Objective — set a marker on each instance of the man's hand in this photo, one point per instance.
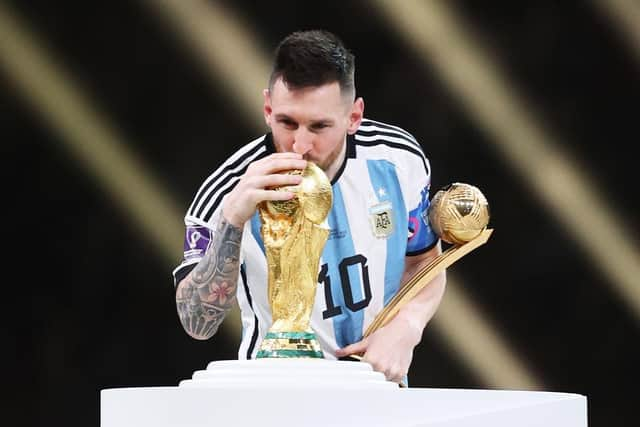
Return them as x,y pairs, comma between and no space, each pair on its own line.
256,185
389,350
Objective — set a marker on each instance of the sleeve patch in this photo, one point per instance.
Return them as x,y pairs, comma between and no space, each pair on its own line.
196,242
420,233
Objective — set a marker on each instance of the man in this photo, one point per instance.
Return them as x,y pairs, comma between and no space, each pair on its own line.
379,235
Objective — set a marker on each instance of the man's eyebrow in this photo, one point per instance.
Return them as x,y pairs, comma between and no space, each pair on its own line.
322,122
281,116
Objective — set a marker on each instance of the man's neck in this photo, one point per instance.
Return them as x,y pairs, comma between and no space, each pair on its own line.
332,170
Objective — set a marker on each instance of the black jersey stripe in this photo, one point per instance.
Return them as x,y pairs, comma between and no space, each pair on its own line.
254,335
215,185
371,136
382,140
220,174
232,181
380,125
396,139
181,272
366,136
369,122
387,132
206,216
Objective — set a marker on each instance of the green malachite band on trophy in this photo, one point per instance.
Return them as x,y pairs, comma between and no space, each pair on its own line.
290,335
290,344
289,353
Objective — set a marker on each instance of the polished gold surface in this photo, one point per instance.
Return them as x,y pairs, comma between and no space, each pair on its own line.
294,236
458,213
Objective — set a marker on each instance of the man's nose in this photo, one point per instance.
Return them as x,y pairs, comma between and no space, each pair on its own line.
302,142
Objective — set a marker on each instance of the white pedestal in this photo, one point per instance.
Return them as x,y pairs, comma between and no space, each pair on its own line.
301,404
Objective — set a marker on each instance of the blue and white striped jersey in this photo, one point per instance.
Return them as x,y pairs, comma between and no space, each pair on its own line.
379,216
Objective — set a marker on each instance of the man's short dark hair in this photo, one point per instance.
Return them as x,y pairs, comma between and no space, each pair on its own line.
313,58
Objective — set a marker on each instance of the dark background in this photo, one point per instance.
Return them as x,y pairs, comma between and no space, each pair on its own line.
90,299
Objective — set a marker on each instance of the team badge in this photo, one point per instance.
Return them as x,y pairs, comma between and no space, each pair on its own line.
381,218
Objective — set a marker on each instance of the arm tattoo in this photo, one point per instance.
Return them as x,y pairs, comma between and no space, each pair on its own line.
205,296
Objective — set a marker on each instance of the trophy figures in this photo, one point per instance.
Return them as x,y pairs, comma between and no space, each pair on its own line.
294,237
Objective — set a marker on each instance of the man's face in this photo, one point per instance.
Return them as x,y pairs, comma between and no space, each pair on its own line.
312,121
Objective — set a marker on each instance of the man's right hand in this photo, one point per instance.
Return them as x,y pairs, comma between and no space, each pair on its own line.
256,186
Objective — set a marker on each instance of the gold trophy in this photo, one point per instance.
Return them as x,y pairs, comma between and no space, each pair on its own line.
294,236
458,214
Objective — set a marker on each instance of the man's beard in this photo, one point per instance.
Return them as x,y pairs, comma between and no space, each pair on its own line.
326,163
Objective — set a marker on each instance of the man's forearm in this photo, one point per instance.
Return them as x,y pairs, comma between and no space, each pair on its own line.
207,293
419,311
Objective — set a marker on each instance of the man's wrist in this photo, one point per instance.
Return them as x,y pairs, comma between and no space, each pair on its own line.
411,322
231,219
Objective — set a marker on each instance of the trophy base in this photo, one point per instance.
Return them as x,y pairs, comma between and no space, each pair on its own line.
290,345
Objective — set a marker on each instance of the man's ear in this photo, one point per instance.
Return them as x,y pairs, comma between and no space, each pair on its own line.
355,116
267,107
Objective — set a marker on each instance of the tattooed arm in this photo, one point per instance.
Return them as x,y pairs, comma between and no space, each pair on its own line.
205,296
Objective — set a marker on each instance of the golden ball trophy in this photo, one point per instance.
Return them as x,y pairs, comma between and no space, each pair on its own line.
294,237
458,214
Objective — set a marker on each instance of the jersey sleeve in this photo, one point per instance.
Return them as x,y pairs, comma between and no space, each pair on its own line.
205,210
421,236
197,240
201,218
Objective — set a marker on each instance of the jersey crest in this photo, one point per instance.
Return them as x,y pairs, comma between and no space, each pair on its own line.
381,219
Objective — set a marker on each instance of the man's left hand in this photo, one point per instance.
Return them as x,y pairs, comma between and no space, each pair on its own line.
389,350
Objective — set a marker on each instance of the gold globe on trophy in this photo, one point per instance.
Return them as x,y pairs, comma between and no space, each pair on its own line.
459,215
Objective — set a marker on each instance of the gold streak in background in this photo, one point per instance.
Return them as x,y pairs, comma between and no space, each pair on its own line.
479,344
442,41
89,137
225,49
626,17
203,26
92,140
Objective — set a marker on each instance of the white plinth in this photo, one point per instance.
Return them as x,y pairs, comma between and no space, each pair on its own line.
238,393
288,373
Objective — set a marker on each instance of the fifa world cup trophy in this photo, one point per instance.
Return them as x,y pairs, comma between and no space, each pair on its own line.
294,237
